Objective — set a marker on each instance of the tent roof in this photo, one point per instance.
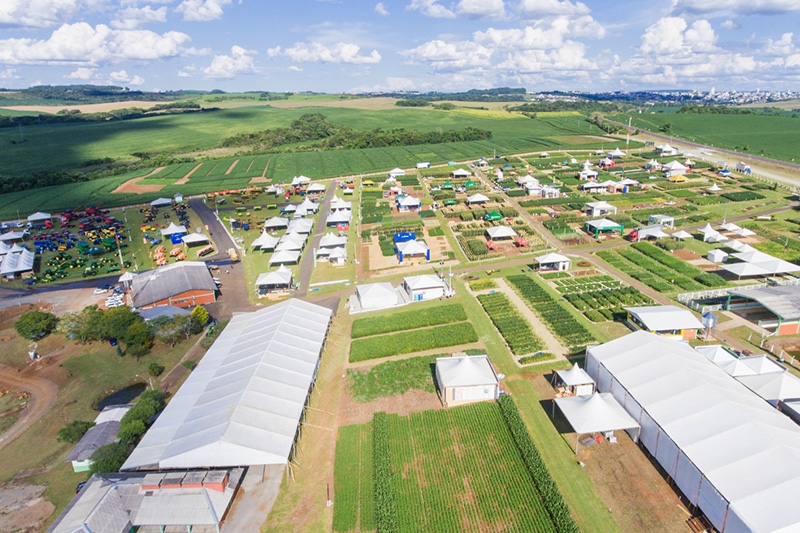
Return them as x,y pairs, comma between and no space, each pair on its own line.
773,386
665,317
316,187
745,269
376,295
603,223
682,235
412,247
332,240
460,172
600,205
465,371
276,222
424,281
714,188
596,413
551,258
656,231
339,217
339,203
716,353
340,252
616,152
170,280
14,263
478,197
300,225
782,300
173,228
409,201
730,226
265,241
191,238
397,172
575,376
500,232
243,402
285,256
674,165
161,202
39,216
281,276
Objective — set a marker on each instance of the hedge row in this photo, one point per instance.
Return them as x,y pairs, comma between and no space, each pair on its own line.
410,342
529,359
551,497
385,496
432,316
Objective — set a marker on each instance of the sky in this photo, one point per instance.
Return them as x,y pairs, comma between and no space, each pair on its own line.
402,45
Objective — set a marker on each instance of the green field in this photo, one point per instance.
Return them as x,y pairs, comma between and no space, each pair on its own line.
453,470
775,135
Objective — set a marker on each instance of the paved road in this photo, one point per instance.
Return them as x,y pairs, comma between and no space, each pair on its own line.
307,264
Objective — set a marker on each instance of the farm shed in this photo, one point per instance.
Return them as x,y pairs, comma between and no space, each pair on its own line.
276,223
496,233
595,413
40,220
602,225
161,202
477,199
575,381
265,242
667,321
599,209
284,257
183,284
717,256
553,262
279,280
425,287
412,249
728,451
781,306
173,229
376,296
466,379
104,431
125,502
244,402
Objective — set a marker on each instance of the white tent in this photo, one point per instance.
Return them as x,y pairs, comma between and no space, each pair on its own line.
477,198
773,386
376,295
316,188
729,226
576,380
466,379
397,172
339,204
289,208
276,223
283,257
173,228
501,232
194,238
300,225
243,403
728,451
682,235
744,232
282,277
714,188
161,202
300,180
716,353
656,232
307,207
332,240
616,153
265,241
554,261
338,255
339,217
17,263
596,413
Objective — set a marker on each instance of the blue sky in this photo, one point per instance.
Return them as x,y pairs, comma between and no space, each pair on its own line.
443,45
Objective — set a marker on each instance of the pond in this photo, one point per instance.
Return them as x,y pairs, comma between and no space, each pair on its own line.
123,396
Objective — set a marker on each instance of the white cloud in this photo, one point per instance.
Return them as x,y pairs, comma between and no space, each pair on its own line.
226,67
132,17
671,36
8,74
430,8
82,73
552,7
459,55
295,68
782,47
494,9
184,74
81,43
315,52
121,77
201,10
37,13
381,9
745,7
730,25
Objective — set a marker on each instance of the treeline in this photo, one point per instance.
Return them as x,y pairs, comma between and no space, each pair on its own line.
714,110
316,129
91,94
67,116
497,94
582,106
607,127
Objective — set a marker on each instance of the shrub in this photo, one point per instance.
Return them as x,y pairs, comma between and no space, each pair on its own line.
529,359
74,431
154,369
189,365
109,458
35,324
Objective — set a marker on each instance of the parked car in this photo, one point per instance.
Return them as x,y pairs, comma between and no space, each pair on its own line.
100,290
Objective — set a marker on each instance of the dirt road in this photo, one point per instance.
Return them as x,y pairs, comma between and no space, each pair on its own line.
43,398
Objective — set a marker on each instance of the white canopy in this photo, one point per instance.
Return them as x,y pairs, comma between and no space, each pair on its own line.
39,216
773,386
477,198
551,258
412,248
744,232
300,180
714,188
665,317
716,353
397,172
194,238
409,201
340,252
276,222
286,256
656,231
281,276
173,228
332,240
465,371
682,235
339,203
501,232
339,217
376,295
316,187
673,165
265,241
616,152
161,202
595,414
300,225
289,208
15,263
729,226
575,376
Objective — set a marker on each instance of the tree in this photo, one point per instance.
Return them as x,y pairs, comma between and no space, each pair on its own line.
109,458
74,431
131,432
155,370
117,322
73,325
35,324
171,330
200,318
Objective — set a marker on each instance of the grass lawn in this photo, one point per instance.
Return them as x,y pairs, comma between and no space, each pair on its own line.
89,373
392,378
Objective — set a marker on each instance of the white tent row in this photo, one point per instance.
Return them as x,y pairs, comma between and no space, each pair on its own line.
755,263
728,450
243,403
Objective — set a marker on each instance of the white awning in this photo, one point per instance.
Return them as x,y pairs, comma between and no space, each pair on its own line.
595,414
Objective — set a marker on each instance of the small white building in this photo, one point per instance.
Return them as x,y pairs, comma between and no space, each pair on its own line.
674,168
477,199
575,382
376,296
599,209
425,287
668,321
497,233
662,220
466,379
104,431
743,167
553,262
423,165
665,150
717,256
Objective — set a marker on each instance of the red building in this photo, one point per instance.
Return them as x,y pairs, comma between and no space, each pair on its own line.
184,284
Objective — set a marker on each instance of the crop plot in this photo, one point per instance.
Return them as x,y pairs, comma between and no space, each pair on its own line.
599,298
516,331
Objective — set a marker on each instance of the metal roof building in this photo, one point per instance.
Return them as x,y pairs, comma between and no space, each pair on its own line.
243,403
183,284
665,320
782,301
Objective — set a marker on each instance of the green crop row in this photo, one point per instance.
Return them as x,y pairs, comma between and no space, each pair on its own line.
410,342
383,476
553,314
516,331
538,358
482,284
679,266
548,490
607,299
669,275
431,316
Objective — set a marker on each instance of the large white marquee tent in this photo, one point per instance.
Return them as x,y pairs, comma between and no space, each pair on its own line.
728,450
